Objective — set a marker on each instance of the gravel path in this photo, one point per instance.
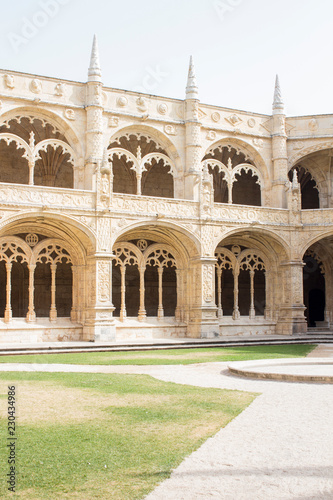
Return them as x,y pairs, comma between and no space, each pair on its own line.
279,448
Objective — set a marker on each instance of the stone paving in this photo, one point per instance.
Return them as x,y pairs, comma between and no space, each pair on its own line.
279,448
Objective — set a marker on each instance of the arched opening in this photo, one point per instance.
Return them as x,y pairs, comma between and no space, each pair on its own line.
53,165
132,296
19,289
246,190
54,169
240,285
235,176
314,288
124,179
309,190
144,282
64,286
140,166
151,290
157,181
42,282
14,168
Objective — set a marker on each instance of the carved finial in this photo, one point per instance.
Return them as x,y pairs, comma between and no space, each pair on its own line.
32,140
94,72
192,91
295,183
105,166
229,164
278,105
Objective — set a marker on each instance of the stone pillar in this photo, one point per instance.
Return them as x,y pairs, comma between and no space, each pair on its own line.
236,313
8,309
31,315
193,143
160,310
291,315
219,293
53,309
279,150
142,310
122,293
94,111
252,313
99,323
203,322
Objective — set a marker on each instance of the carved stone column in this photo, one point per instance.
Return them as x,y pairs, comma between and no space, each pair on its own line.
252,314
291,315
236,313
8,309
269,297
99,321
193,142
160,310
179,313
203,313
219,293
142,310
123,293
279,150
31,315
53,309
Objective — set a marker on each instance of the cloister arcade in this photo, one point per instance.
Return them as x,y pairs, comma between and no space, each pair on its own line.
35,151
131,214
236,179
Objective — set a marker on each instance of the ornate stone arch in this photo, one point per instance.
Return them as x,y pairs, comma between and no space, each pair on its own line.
135,148
249,151
307,150
46,116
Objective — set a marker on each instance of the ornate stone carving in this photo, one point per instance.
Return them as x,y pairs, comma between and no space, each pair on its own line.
104,281
9,81
70,114
207,285
216,117
170,130
211,135
31,239
259,143
35,86
141,104
251,122
113,121
162,108
234,120
122,102
59,89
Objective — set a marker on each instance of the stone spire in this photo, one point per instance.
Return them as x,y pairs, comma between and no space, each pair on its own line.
192,87
94,72
278,105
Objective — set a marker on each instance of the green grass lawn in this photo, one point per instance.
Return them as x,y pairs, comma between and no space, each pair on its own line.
97,436
168,356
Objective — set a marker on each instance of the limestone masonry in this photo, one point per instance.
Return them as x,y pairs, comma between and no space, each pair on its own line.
126,215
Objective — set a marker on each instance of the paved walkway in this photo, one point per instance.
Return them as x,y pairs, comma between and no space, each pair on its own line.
279,448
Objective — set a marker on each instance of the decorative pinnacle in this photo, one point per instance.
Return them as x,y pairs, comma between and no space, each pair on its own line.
278,105
94,72
192,91
295,183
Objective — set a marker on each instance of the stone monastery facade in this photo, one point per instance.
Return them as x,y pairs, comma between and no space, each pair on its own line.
125,215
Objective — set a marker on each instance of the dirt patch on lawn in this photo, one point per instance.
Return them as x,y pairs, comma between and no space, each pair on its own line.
44,402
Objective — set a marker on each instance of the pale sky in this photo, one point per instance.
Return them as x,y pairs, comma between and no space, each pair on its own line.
238,46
